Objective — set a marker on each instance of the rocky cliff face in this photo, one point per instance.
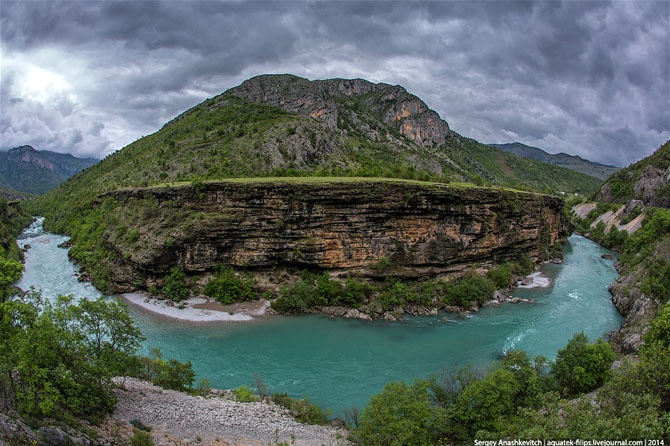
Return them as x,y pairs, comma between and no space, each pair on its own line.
648,180
346,227
324,100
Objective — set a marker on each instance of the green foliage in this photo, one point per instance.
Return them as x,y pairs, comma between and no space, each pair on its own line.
294,298
175,287
482,403
302,410
658,333
244,394
401,415
10,272
141,438
469,290
226,287
383,264
622,183
647,252
171,374
501,275
581,367
397,293
320,291
12,220
58,359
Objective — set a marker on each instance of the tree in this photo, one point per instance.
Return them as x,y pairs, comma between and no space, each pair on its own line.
55,357
227,288
401,415
10,272
581,367
175,287
479,405
171,374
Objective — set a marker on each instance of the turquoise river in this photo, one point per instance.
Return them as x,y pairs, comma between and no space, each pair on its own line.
340,363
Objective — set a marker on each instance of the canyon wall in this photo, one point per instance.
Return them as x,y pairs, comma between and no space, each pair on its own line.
366,228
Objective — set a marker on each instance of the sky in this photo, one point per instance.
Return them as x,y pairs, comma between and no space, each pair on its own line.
588,78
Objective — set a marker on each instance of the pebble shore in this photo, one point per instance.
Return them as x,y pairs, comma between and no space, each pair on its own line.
179,418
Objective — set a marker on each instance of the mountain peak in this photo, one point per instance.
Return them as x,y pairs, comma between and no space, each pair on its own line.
27,169
328,100
284,125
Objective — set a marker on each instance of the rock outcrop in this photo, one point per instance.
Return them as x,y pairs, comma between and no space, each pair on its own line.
415,230
648,180
391,104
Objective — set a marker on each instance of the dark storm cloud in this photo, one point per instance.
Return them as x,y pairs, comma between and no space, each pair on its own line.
589,78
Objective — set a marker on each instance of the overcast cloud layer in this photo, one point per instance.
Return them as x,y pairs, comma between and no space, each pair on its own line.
583,77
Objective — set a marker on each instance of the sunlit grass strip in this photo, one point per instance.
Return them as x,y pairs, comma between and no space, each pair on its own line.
326,180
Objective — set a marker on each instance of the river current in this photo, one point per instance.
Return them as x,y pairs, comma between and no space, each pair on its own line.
340,363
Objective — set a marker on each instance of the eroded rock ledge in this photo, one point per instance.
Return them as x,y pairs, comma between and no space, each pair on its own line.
349,227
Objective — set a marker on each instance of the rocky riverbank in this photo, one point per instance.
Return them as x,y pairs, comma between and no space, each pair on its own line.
177,418
203,309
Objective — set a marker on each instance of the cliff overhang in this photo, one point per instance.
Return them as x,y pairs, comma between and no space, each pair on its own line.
367,228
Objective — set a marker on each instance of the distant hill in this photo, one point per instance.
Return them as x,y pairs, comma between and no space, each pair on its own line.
25,169
648,180
572,162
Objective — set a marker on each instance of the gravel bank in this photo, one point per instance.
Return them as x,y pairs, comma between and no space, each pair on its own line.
199,309
215,421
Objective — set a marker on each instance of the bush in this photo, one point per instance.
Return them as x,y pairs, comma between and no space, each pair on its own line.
469,290
141,438
10,272
302,410
320,291
581,367
244,394
175,287
294,298
227,288
501,275
170,374
480,404
355,293
400,415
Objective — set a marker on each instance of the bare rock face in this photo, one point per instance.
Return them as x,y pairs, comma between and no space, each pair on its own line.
650,183
638,308
322,100
648,180
352,227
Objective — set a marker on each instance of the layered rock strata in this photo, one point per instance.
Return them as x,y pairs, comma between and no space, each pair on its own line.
366,228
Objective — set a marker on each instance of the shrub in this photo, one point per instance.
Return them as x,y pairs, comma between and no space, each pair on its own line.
355,293
244,394
175,287
481,403
141,438
395,293
468,290
328,291
170,374
302,410
401,414
501,275
293,298
581,367
227,288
